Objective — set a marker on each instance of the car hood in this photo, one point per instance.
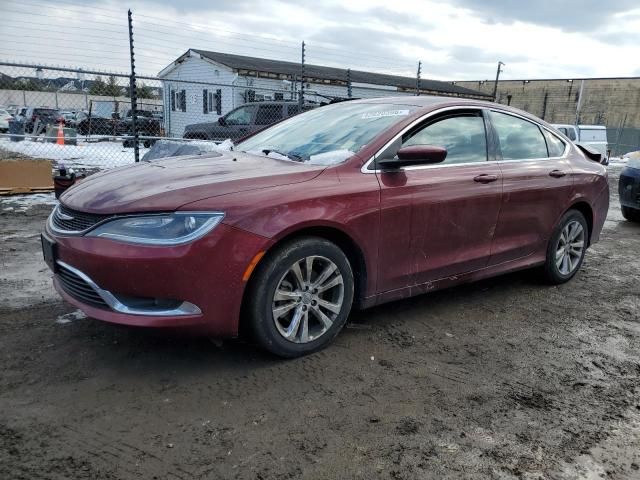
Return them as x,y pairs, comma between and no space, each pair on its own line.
167,184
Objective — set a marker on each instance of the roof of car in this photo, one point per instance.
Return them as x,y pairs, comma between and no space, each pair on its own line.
423,100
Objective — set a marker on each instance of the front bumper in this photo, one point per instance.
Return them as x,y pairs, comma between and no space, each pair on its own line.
114,281
629,187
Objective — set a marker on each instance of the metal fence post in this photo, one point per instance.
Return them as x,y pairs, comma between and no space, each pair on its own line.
418,78
301,97
133,93
349,93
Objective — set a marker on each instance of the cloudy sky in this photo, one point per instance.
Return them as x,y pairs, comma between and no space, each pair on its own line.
454,39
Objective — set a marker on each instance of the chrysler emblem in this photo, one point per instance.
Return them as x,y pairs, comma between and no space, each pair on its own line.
64,216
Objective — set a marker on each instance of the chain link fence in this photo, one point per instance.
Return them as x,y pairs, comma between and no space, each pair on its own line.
89,119
84,119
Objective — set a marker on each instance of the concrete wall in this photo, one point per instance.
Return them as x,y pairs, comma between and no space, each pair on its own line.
604,102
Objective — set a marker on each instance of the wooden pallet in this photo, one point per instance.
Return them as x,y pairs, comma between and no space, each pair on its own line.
21,176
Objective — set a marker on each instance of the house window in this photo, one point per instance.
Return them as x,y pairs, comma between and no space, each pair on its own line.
178,100
212,101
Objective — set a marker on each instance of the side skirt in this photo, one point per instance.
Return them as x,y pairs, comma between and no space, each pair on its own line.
493,271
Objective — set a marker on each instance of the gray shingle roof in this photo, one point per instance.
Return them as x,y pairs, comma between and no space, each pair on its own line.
241,62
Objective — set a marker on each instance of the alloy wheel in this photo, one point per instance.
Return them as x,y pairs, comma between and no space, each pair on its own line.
570,247
308,299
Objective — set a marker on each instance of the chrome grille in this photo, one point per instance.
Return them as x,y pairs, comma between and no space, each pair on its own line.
79,289
67,220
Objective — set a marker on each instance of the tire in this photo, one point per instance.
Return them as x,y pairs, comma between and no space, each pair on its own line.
631,214
277,272
564,259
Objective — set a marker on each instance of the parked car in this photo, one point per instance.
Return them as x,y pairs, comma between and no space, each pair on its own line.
629,188
594,136
243,120
69,117
13,109
4,121
97,125
75,118
147,124
348,205
45,117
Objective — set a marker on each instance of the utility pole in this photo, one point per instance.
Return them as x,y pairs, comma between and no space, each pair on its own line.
133,93
495,85
418,78
301,97
579,105
349,83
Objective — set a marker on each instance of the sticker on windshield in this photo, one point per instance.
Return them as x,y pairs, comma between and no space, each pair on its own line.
386,113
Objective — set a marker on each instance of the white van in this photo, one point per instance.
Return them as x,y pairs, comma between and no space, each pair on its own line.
593,135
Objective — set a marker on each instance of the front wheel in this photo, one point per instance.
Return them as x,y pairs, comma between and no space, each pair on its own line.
300,296
566,248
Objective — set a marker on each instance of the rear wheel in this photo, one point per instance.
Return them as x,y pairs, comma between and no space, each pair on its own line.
300,297
631,214
566,248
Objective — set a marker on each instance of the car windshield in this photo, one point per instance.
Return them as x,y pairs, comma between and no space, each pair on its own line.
326,135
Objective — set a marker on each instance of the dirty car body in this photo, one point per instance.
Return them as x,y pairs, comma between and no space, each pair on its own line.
289,238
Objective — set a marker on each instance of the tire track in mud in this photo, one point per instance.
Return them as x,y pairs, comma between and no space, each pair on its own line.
108,450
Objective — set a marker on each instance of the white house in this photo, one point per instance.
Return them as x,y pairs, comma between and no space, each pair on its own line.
200,86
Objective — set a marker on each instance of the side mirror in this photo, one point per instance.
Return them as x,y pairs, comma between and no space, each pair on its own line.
415,155
221,121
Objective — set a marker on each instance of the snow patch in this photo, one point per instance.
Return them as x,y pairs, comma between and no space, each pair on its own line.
84,155
70,317
331,158
22,203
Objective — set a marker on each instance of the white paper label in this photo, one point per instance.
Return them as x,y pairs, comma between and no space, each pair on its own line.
387,113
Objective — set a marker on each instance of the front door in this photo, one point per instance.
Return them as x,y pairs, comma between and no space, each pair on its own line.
452,206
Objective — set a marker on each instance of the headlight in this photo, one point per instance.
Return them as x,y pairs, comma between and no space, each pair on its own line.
160,229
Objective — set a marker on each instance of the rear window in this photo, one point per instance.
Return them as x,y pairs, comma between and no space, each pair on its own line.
555,145
593,135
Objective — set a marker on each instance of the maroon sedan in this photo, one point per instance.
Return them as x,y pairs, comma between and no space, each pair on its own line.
348,205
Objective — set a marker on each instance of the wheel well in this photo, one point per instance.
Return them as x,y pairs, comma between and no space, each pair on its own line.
585,209
346,244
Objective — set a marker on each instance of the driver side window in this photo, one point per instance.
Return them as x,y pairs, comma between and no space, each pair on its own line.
241,116
463,135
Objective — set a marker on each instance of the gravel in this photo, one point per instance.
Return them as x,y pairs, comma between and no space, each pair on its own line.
507,378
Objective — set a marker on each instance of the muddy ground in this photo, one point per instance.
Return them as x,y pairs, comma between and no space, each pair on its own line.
506,378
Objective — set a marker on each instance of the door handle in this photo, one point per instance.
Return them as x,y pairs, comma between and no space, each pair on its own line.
556,173
485,178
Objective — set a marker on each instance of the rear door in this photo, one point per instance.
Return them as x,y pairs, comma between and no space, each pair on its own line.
537,185
238,123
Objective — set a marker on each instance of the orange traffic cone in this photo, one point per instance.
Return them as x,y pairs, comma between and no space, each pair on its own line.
60,136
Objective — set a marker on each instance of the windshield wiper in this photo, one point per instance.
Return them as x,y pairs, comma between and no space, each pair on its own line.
290,156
